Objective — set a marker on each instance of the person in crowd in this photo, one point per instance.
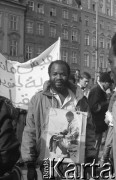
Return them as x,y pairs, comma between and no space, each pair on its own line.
98,104
112,62
72,78
9,145
82,85
77,76
57,93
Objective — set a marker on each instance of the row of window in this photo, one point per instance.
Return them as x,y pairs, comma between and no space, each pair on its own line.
101,24
104,7
102,43
13,21
103,63
40,30
64,54
29,52
53,11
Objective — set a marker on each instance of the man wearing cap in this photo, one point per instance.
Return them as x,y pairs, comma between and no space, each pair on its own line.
98,104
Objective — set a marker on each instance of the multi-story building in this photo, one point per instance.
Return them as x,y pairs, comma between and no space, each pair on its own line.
98,27
46,20
12,29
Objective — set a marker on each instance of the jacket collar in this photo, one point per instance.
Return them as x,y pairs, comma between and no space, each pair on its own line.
46,88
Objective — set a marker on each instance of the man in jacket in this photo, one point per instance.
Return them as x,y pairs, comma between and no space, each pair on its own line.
82,86
9,145
58,93
112,62
98,106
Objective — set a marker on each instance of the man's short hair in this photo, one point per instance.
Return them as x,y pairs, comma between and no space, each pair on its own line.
85,75
60,62
113,43
69,113
105,77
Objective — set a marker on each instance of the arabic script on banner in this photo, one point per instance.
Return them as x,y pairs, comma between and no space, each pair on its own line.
20,81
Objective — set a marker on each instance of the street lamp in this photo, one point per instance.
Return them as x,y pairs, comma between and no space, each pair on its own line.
96,50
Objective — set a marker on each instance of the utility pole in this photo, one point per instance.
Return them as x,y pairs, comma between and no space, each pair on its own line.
96,49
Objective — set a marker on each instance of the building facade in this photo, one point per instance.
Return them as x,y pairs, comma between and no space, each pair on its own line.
46,20
98,27
12,29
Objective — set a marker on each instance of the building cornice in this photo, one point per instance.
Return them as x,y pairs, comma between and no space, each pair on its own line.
13,4
100,14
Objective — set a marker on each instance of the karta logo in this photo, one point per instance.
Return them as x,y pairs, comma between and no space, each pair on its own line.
53,168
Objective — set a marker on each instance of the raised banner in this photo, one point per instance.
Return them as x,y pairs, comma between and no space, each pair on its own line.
20,81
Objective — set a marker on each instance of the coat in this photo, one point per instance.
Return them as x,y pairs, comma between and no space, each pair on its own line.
37,112
98,104
9,145
114,130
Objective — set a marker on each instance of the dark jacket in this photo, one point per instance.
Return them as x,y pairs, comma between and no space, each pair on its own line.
98,106
9,145
37,112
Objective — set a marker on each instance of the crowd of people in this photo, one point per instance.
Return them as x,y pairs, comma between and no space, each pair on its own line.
20,130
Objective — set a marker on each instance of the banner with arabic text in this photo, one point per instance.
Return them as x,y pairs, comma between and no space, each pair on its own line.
20,81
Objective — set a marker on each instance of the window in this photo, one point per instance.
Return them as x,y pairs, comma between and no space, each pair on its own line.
86,21
102,24
0,19
65,55
29,27
86,59
40,29
41,8
86,39
94,41
108,43
65,34
65,14
101,6
53,11
31,5
108,26
114,28
74,35
102,62
74,57
101,42
93,61
93,7
29,52
13,48
108,12
114,10
75,17
13,23
39,50
94,22
52,31
69,2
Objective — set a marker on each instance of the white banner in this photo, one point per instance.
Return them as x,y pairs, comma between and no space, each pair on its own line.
20,81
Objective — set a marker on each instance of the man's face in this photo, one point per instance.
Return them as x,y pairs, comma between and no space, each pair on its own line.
106,85
112,62
84,82
59,77
69,118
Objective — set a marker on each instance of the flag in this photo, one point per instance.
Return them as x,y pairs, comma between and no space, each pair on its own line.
20,81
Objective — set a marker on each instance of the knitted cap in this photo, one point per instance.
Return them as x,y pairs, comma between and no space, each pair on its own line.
105,77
